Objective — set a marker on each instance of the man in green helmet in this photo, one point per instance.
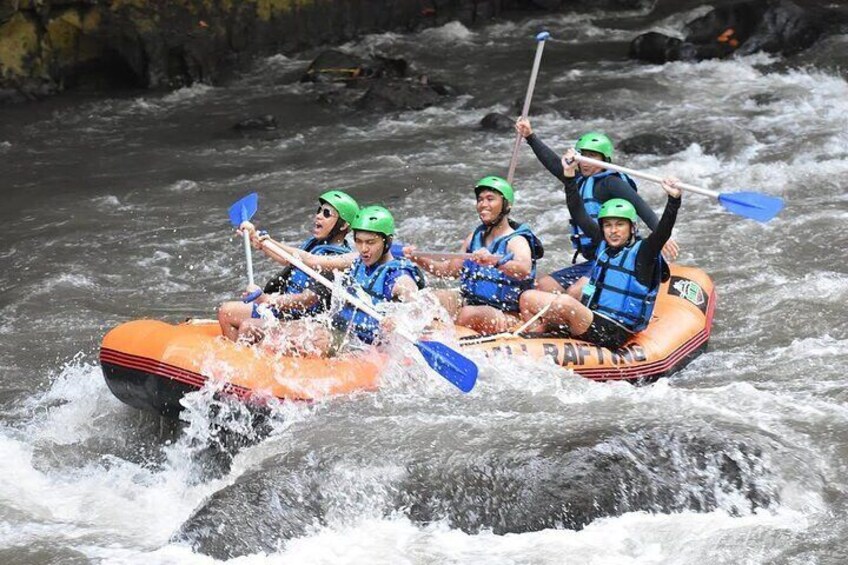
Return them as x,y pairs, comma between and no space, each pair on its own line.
371,268
618,299
291,294
502,263
596,185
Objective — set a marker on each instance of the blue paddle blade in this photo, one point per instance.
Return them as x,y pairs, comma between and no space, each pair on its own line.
397,249
452,365
760,207
244,209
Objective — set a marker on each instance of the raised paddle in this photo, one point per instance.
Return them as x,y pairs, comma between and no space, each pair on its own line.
458,369
754,205
540,46
240,212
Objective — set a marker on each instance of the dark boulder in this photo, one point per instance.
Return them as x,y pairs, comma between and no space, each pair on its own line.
561,482
497,122
657,48
337,66
258,123
398,95
669,143
654,144
773,26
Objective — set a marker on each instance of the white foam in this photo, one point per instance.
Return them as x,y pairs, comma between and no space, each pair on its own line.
183,186
452,32
188,93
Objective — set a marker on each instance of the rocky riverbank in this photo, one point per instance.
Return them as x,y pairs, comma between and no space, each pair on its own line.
47,46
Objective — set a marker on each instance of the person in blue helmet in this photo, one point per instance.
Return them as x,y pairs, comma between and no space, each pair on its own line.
596,185
371,268
502,263
291,294
618,299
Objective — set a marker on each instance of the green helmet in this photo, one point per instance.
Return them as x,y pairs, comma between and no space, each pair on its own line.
618,208
597,142
342,202
376,219
497,184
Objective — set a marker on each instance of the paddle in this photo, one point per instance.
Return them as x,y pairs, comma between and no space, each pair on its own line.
240,212
754,205
540,46
458,369
397,251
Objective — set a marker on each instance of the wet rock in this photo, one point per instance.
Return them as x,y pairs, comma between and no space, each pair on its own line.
281,504
268,122
571,488
497,122
657,48
669,143
773,26
397,95
380,84
654,144
560,482
333,66
765,98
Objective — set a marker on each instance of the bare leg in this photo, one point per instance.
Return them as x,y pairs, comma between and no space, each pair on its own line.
549,284
253,330
576,290
450,300
231,315
564,311
306,338
486,319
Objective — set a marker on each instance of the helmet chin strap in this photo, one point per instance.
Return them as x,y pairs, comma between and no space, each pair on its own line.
337,229
387,246
505,209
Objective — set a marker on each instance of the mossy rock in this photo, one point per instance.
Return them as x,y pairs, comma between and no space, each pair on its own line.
20,52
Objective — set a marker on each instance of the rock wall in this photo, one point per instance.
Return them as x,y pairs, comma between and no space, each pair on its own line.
49,45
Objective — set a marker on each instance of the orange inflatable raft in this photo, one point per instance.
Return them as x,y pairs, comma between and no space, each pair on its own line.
150,365
678,332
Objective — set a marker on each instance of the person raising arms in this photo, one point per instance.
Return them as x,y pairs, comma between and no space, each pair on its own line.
595,186
618,299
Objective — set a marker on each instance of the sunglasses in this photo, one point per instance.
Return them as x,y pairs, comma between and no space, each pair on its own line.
324,211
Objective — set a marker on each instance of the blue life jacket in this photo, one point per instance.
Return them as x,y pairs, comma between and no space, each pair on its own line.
378,282
614,291
292,280
489,286
581,242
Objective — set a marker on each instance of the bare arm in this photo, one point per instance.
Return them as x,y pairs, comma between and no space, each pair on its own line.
288,302
318,262
521,264
445,268
404,289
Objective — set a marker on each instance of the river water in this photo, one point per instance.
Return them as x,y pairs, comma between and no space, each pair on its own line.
116,209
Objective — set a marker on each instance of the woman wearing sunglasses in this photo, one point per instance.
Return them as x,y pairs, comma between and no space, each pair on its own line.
291,294
370,271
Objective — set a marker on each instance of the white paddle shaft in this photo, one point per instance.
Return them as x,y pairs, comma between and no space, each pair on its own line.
360,304
249,257
646,176
540,46
364,306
